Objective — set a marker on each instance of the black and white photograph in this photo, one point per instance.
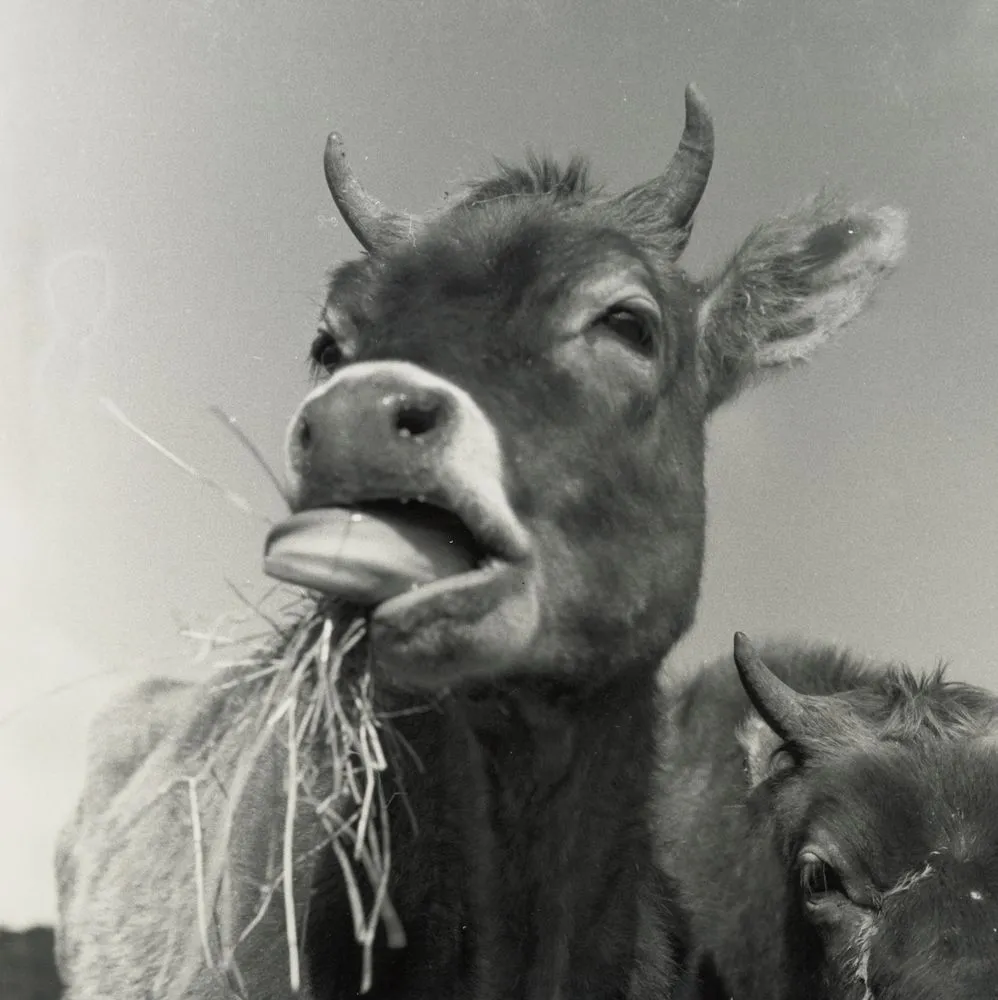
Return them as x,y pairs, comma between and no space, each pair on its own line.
499,500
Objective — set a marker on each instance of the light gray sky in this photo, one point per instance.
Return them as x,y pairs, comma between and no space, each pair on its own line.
164,233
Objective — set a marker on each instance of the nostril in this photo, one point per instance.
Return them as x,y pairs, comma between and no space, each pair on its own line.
417,418
303,434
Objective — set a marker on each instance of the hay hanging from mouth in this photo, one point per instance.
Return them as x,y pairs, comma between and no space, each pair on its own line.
304,684
306,688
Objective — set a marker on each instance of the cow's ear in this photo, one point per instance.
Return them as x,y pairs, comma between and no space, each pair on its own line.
762,749
793,283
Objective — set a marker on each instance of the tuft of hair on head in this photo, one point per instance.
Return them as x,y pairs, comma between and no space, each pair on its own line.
910,705
541,175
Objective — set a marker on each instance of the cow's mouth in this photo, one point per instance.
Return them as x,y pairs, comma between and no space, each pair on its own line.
391,554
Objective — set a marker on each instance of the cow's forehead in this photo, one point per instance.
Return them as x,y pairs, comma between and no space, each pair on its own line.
900,806
966,819
481,255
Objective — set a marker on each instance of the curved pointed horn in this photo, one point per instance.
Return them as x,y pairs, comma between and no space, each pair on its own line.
677,192
376,227
790,714
685,178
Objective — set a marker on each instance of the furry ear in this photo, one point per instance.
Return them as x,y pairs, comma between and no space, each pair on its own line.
759,744
794,282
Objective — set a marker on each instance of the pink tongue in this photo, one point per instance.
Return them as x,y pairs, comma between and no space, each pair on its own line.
361,557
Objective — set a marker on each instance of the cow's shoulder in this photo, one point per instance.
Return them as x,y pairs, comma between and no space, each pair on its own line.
162,763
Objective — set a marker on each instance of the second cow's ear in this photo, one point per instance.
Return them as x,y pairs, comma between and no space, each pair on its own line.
793,284
762,750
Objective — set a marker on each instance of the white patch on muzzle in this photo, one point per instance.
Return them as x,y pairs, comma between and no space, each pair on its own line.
470,465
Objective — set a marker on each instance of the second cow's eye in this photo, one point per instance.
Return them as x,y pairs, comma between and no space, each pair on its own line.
818,879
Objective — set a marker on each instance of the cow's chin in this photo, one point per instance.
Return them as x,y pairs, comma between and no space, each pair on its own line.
466,627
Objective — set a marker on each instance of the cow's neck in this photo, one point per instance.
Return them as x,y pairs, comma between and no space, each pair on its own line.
558,835
521,877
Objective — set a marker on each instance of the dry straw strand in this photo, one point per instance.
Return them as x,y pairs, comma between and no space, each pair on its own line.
232,424
291,928
198,838
234,498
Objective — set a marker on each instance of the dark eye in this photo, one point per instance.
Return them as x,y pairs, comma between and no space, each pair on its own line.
819,881
325,353
636,330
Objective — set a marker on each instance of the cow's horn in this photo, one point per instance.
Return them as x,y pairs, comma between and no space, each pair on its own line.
677,192
790,714
686,176
377,227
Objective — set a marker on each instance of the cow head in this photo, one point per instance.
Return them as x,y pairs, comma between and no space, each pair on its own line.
529,373
882,801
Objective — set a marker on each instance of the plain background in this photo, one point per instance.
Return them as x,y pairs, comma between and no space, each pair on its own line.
166,230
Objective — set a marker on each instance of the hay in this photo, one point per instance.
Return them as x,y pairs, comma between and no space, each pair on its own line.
302,688
238,501
298,671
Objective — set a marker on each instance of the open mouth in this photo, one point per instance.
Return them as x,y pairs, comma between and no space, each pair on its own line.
431,520
387,550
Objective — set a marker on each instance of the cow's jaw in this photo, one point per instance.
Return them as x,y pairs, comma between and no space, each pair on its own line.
476,624
446,579
470,623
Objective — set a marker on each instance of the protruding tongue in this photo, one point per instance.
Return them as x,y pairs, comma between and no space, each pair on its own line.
362,557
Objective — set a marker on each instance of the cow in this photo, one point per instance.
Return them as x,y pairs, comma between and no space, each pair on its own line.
828,829
526,377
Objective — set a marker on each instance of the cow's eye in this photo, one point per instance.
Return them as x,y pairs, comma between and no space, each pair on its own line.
325,354
818,879
633,327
